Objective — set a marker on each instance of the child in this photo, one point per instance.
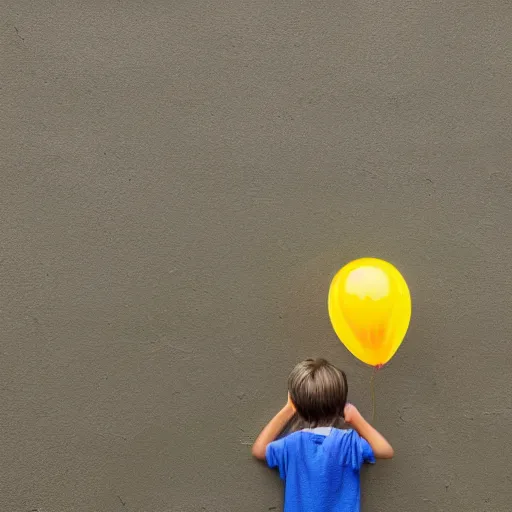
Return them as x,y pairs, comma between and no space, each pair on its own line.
320,465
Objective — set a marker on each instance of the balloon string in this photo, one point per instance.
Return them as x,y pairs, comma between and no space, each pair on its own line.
372,388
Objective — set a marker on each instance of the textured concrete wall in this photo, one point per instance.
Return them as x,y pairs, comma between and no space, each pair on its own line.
180,181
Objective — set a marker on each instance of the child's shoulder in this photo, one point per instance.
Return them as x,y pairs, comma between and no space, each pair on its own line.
322,432
344,431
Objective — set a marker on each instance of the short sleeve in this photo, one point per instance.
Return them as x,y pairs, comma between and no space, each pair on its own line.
354,451
367,452
275,455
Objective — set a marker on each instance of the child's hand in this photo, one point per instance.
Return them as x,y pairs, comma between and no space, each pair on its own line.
351,414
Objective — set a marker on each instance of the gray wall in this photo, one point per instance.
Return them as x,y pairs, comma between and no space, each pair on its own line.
179,183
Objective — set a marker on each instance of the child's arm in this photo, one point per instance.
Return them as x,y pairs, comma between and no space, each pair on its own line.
272,430
381,448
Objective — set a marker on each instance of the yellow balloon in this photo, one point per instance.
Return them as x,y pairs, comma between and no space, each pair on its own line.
370,309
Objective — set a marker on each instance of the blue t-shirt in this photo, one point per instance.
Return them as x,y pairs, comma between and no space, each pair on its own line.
320,468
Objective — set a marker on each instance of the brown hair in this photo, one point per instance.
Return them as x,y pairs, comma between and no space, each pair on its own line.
319,392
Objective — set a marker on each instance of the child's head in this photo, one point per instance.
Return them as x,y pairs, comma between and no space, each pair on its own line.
319,392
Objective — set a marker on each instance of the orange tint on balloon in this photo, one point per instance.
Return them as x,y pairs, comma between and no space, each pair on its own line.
370,309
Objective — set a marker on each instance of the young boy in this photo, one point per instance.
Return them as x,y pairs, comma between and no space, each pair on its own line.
320,464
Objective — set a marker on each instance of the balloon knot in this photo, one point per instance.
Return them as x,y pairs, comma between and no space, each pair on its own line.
379,367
